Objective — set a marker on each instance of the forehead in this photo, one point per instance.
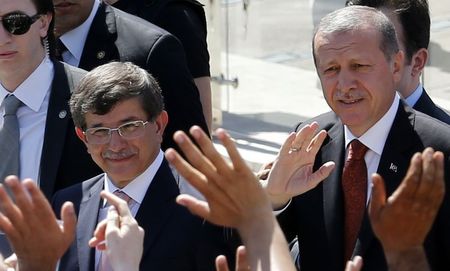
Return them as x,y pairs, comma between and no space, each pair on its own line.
123,111
355,43
26,6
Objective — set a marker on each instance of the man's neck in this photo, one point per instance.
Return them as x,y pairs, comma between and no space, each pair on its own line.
12,79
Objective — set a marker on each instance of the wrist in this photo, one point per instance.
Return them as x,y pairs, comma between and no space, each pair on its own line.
413,258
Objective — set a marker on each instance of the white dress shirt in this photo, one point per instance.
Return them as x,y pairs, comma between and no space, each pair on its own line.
374,139
412,99
75,39
34,93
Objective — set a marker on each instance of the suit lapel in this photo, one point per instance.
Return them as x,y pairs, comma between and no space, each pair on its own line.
332,191
394,163
99,47
58,115
85,230
157,205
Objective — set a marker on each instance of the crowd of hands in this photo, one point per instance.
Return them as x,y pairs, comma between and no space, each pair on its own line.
234,197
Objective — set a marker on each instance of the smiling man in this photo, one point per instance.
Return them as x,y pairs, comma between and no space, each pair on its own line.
119,114
370,130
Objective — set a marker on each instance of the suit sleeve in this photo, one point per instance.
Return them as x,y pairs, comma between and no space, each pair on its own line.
182,101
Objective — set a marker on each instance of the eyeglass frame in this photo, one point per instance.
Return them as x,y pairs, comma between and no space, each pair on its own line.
118,129
31,21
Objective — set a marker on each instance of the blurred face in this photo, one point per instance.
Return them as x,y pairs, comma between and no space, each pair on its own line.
407,81
125,159
21,54
69,14
357,80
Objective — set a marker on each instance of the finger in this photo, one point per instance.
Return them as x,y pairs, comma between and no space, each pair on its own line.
410,183
320,174
121,206
236,159
427,177
304,135
192,175
316,143
69,219
5,225
22,199
378,199
242,263
99,234
195,206
438,191
193,154
221,263
354,265
287,145
39,204
112,221
10,211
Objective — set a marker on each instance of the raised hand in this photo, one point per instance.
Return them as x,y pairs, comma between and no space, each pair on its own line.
292,172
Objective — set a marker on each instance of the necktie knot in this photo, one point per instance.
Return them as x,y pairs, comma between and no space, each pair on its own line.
356,150
11,105
60,48
124,196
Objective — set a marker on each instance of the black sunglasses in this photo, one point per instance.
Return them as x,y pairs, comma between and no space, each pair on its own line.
18,23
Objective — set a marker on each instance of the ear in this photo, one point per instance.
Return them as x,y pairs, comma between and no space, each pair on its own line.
45,24
398,65
80,135
418,62
161,122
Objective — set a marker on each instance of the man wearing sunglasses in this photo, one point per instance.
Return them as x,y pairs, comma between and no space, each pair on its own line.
37,138
118,113
95,33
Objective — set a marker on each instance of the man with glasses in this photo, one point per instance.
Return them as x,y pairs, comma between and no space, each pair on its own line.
118,113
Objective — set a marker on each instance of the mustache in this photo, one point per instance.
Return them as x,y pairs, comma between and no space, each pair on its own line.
348,95
108,154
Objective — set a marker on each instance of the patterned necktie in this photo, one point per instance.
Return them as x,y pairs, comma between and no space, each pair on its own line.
104,262
9,138
354,186
60,48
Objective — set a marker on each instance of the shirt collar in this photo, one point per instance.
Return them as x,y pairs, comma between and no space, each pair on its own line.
412,99
376,136
75,39
137,188
33,90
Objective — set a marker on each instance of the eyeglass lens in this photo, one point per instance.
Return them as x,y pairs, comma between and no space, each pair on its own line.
18,23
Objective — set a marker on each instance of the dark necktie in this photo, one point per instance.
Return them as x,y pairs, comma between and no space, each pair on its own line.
354,186
60,49
9,138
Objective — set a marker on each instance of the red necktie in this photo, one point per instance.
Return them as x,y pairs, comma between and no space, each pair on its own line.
354,186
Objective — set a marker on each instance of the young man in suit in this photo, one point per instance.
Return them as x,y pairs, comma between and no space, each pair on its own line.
118,113
359,64
411,19
49,151
95,33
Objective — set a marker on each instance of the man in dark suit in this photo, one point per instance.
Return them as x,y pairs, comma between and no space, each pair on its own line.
411,19
49,149
359,64
118,113
95,33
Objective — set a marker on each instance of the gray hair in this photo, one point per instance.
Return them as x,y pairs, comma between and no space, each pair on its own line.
359,18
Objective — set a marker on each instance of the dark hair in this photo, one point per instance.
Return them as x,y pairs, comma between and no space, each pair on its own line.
44,7
359,17
413,15
105,86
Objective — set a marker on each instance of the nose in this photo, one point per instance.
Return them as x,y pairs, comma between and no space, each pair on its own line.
5,36
346,81
117,142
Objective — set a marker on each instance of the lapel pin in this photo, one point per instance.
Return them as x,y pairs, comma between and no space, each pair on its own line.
62,114
393,167
101,54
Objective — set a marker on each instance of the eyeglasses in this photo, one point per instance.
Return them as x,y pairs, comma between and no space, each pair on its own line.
102,135
18,23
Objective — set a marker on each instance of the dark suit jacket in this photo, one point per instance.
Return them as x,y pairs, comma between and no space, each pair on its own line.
64,159
316,217
116,35
174,238
427,106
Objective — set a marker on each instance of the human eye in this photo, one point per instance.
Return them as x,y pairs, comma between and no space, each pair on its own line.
360,67
330,70
130,126
98,132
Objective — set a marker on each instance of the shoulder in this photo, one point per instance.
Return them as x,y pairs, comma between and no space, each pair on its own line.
432,130
74,193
